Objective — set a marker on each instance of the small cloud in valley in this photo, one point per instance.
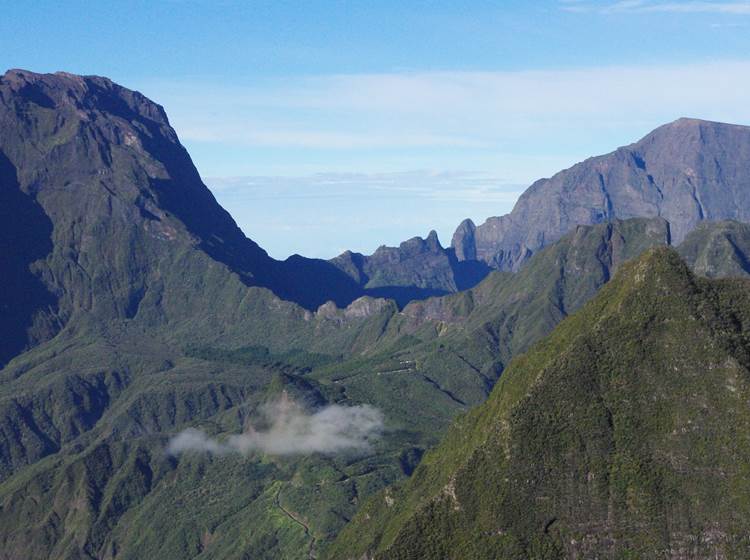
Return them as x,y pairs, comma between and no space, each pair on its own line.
289,429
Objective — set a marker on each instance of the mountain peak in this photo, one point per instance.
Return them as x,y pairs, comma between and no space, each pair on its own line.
432,241
693,121
691,125
686,171
658,268
463,241
60,77
82,95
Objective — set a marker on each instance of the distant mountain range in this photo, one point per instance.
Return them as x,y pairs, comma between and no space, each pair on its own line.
686,172
132,308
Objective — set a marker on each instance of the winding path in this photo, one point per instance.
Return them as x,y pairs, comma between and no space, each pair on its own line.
294,517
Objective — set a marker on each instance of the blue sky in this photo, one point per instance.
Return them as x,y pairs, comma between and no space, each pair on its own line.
329,125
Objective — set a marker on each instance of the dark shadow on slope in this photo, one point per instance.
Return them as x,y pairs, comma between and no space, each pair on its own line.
25,236
34,93
312,282
468,274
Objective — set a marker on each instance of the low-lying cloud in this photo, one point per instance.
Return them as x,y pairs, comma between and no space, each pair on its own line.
291,430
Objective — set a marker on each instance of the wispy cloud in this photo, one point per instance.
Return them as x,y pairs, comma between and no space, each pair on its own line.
468,111
397,186
316,139
655,6
291,430
323,214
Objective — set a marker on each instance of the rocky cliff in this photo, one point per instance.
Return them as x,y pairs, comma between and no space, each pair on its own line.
686,172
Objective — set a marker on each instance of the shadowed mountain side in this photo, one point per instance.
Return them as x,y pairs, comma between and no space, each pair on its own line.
416,269
26,305
686,172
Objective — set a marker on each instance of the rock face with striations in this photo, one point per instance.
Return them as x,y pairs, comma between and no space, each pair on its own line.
686,172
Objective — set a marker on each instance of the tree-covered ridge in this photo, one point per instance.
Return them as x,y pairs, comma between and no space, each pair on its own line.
623,434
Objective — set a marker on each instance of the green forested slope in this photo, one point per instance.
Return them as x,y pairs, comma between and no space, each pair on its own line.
625,434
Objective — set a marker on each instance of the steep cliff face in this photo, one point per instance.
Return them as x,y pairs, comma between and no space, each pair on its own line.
687,171
95,174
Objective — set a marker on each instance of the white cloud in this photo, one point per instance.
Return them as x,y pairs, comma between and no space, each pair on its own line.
290,430
422,184
468,111
316,139
646,6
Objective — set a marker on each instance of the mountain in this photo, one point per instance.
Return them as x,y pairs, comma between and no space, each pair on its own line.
623,434
718,249
416,269
84,159
133,307
686,172
96,191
